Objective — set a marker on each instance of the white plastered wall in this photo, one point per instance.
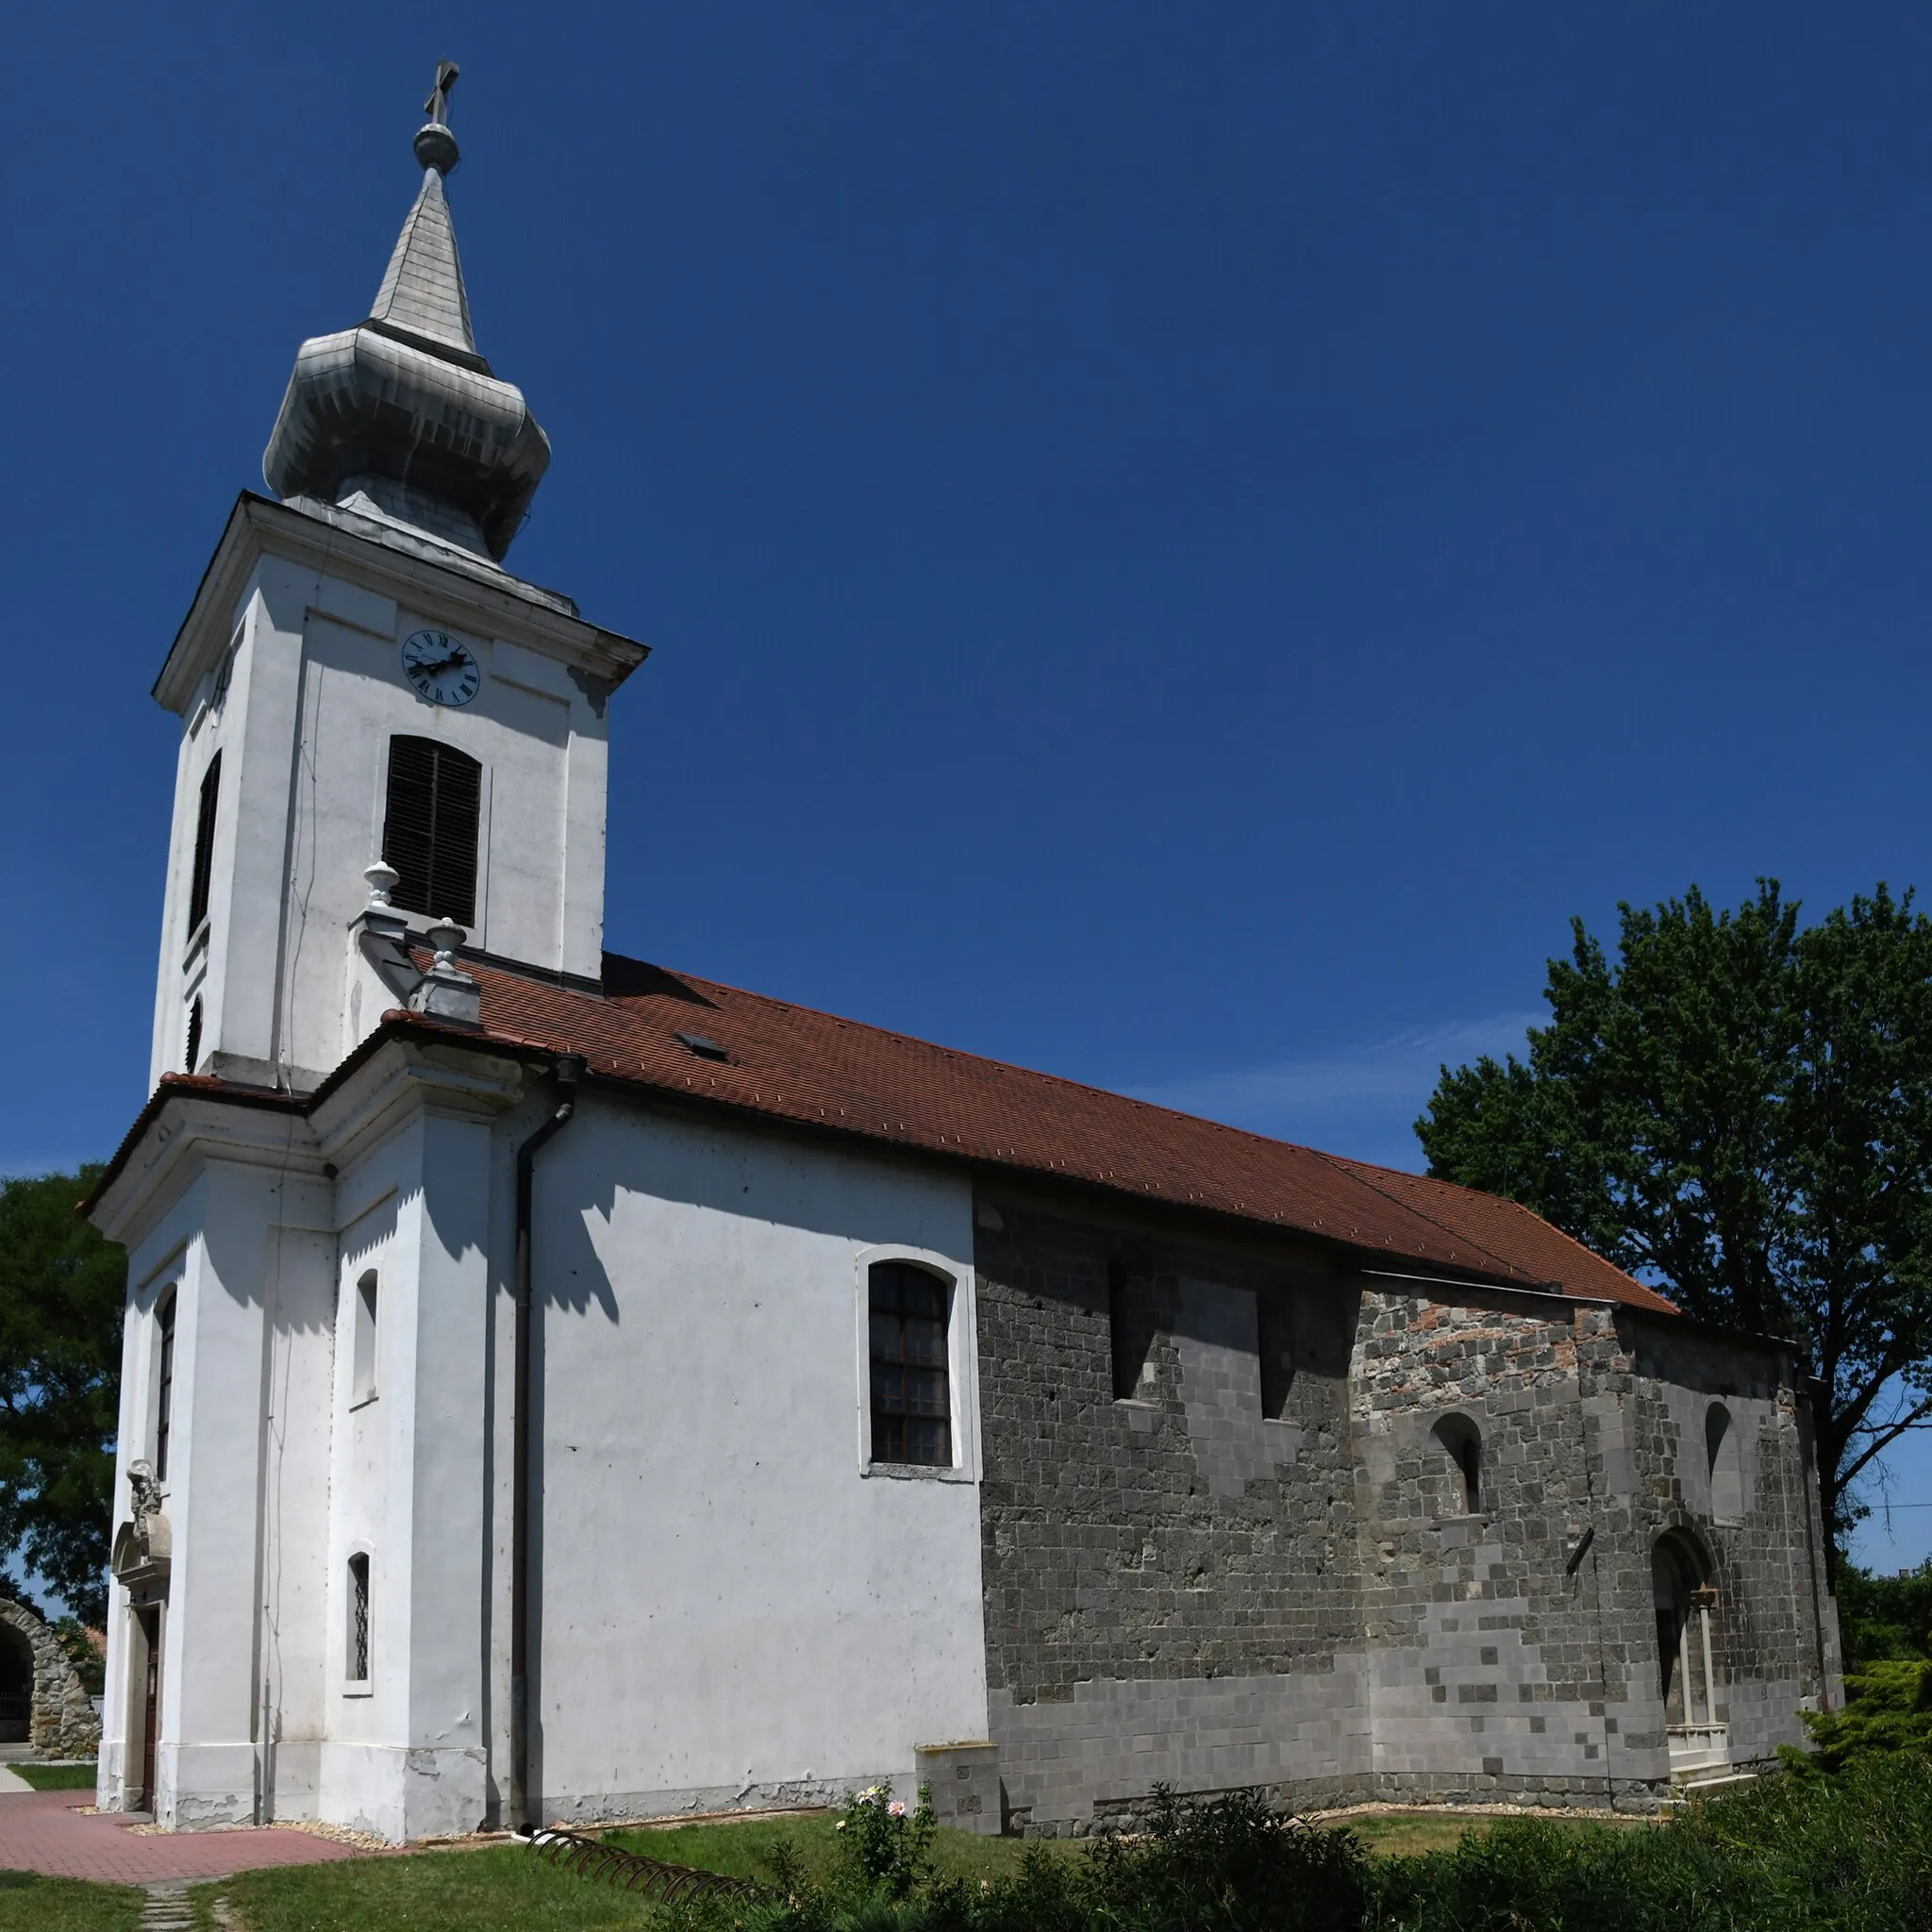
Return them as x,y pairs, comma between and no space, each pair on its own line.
733,1609
404,1751
314,693
245,1251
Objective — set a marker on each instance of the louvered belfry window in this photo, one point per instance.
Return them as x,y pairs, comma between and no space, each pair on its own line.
429,832
911,1403
204,846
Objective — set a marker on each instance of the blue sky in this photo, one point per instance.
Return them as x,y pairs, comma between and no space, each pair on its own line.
1179,550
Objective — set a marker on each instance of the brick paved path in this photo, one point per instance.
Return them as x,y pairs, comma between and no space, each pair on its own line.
41,1831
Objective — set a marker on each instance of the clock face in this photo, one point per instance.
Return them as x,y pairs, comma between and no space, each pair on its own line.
440,668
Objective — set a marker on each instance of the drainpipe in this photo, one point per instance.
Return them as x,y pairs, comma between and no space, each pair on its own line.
567,1069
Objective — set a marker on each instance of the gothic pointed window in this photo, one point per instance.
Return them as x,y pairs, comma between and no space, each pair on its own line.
1725,1465
911,1396
203,875
429,830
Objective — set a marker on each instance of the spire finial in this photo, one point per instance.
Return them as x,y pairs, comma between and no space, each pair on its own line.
436,146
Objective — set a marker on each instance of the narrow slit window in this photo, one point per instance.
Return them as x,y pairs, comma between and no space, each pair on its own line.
356,1663
1130,1327
1276,1325
193,1033
429,829
165,1385
203,873
911,1396
364,1313
1470,1457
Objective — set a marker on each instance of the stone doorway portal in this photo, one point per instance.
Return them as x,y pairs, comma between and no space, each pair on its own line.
1686,1668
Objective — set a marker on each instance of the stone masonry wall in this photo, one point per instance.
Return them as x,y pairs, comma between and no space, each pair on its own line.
1183,1587
1171,1582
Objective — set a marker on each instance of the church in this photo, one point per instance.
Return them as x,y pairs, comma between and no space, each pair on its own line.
560,1387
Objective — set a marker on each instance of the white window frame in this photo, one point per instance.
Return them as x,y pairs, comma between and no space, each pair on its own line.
962,1364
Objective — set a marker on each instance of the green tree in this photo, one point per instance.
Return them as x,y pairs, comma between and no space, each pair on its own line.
1739,1110
61,1296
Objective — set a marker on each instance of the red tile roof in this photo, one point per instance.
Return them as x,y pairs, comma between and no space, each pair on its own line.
790,1063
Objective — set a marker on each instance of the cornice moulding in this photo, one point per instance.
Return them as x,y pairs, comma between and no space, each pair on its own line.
191,1130
502,605
406,1074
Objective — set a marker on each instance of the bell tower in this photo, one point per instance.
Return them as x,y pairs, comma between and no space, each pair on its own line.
383,730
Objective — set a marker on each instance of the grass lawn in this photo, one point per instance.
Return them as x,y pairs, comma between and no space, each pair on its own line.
508,1887
29,1903
57,1777
1410,1834
742,1849
505,1887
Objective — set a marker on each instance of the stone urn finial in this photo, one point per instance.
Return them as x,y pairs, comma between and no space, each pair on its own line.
446,936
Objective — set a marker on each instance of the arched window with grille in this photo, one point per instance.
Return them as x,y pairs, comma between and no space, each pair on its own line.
908,1311
430,829
356,1659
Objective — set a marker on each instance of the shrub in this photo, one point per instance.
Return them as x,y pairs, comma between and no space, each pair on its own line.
884,1849
1845,1853
1232,1864
1528,1873
1849,1852
1888,1708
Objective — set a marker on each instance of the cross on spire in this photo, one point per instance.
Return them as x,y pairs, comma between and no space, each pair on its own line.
437,106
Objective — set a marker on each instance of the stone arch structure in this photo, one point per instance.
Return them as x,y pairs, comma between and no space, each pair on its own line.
58,1716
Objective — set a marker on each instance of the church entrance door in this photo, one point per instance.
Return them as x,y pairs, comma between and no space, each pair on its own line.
150,1624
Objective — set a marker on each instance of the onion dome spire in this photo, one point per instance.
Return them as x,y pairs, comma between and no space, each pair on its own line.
400,416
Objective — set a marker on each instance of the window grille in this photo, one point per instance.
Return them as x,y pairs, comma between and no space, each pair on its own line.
164,1387
358,1619
429,830
203,845
195,1033
911,1399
